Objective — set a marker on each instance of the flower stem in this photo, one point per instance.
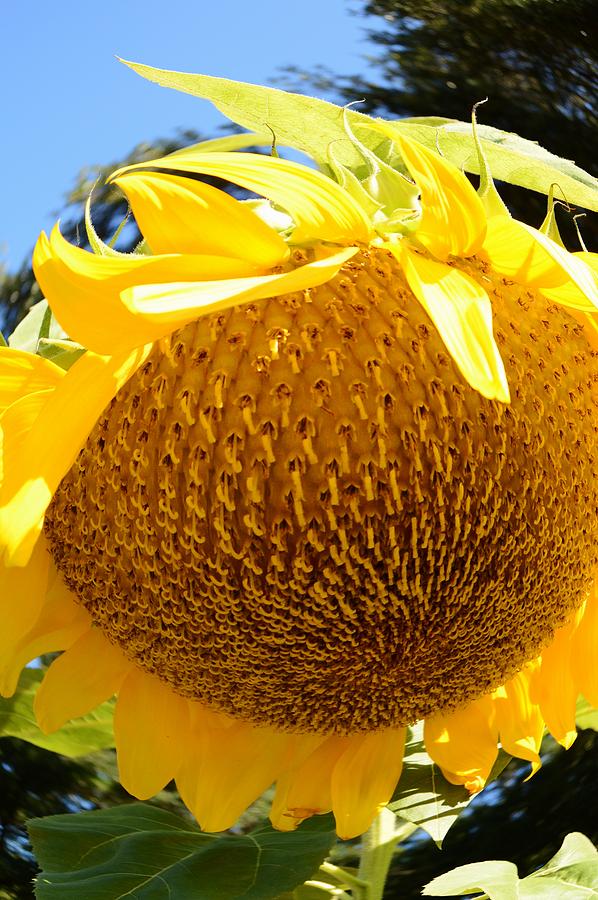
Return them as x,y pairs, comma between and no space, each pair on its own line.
379,845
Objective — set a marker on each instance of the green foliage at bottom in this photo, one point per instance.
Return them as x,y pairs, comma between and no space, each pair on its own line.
572,874
146,852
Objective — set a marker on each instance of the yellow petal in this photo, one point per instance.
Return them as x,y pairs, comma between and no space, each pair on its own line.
59,624
529,257
584,653
226,769
170,306
306,788
364,779
89,672
24,373
554,688
518,719
35,465
15,425
453,221
321,208
84,289
22,594
461,311
151,731
183,215
464,743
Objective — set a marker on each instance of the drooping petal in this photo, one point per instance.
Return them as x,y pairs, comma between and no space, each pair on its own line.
226,769
89,672
183,215
529,257
306,788
464,743
461,311
60,623
35,464
167,307
584,651
453,220
518,719
553,686
84,289
364,779
22,594
151,731
321,209
24,373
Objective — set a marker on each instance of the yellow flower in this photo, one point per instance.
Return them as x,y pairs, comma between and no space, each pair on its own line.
322,472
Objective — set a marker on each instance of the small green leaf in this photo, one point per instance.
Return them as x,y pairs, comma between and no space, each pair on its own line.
142,851
3,340
77,738
571,874
61,353
424,796
28,332
496,878
314,125
586,716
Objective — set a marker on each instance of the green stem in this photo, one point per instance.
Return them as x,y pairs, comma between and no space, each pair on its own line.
379,845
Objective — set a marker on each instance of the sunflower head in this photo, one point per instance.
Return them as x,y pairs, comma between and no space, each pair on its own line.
327,466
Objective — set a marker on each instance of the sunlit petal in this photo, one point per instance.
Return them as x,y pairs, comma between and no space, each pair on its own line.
453,220
461,311
184,215
170,306
518,719
464,743
84,289
529,257
35,464
321,209
24,373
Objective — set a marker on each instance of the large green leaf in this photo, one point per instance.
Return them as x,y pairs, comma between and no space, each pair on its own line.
142,851
424,796
314,125
572,874
77,738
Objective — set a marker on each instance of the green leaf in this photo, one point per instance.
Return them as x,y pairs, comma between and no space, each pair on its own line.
3,340
61,353
28,332
496,878
314,125
586,716
142,851
424,796
571,874
77,738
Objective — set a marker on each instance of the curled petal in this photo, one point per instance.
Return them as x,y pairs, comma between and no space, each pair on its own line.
529,257
321,209
24,373
453,220
183,215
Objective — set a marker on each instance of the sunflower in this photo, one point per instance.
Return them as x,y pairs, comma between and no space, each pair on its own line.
327,467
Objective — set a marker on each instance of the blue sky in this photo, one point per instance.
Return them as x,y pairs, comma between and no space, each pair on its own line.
67,102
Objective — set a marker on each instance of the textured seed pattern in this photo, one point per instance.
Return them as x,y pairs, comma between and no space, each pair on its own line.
300,513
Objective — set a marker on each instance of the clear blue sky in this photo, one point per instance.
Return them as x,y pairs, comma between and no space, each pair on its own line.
67,103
